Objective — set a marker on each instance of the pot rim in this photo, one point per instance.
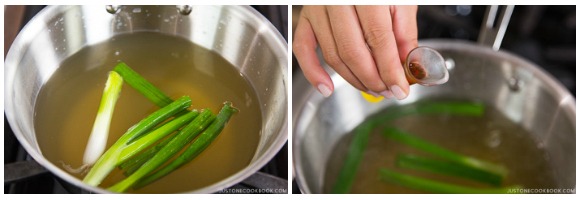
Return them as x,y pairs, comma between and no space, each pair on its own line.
567,101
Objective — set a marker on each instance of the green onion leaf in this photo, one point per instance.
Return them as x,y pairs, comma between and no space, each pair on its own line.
175,145
197,146
409,161
154,136
108,161
142,86
433,186
416,142
362,132
353,158
132,164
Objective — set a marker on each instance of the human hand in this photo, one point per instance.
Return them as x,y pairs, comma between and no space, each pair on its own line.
364,44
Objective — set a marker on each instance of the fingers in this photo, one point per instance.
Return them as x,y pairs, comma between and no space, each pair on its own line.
304,47
364,44
378,30
319,21
352,48
405,29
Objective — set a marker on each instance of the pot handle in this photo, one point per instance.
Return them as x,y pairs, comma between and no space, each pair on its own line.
19,171
491,35
182,9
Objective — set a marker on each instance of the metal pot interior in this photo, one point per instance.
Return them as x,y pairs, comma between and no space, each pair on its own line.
238,33
522,91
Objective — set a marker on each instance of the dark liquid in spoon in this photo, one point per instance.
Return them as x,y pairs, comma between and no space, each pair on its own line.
417,70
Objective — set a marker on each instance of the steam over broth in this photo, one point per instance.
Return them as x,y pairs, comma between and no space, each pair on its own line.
491,137
67,105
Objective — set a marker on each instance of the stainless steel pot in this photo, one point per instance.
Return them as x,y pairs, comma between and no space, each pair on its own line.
521,90
238,33
525,93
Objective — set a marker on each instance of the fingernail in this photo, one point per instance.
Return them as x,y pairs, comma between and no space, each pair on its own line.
398,92
325,91
387,94
373,93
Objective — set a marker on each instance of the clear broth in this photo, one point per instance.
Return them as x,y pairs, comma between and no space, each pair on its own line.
66,106
492,137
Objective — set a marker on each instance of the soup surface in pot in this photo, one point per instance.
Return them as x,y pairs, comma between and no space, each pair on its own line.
67,105
491,137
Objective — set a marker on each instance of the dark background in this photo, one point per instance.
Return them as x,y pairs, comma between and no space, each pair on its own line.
544,35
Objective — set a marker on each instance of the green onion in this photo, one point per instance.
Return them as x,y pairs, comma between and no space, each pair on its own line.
98,138
175,145
433,186
143,86
416,142
143,142
108,161
424,108
132,164
198,146
154,119
353,158
130,151
362,132
409,161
